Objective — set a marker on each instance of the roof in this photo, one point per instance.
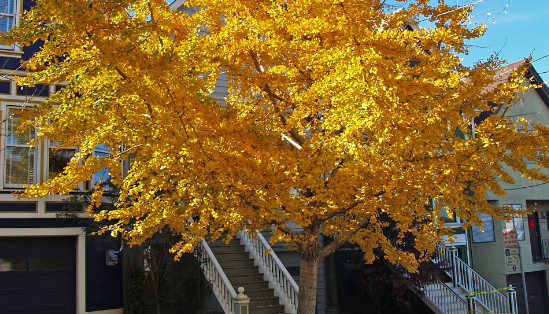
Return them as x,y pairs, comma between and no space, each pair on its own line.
503,73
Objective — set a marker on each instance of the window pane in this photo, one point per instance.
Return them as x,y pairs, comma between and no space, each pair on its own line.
54,262
445,217
14,137
6,6
13,264
517,223
6,23
103,173
488,225
19,165
58,160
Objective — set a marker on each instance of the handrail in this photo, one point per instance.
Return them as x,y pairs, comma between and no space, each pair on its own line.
444,298
471,281
468,279
269,263
215,275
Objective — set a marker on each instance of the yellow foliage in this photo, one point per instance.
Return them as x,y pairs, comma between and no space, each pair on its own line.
375,107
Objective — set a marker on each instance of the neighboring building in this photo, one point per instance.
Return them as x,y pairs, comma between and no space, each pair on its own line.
487,250
47,264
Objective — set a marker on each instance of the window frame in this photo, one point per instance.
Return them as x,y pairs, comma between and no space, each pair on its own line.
46,164
15,16
6,109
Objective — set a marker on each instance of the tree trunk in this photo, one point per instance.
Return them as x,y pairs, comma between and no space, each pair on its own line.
308,270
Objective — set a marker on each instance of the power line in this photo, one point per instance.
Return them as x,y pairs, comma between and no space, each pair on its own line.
525,187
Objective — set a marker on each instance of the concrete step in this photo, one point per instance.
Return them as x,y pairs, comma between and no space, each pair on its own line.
243,270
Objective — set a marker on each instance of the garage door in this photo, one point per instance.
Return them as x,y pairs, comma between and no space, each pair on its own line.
38,275
536,287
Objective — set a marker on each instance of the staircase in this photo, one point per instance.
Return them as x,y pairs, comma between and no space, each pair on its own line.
248,261
241,272
448,294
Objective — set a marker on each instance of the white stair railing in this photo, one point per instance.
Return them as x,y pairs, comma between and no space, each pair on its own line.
283,283
467,278
444,298
471,281
215,275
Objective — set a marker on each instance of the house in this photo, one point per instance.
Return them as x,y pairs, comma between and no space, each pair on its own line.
484,260
490,258
46,264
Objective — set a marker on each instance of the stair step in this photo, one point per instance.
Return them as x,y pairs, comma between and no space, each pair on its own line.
253,285
269,301
276,309
228,248
235,279
259,293
221,242
242,270
231,256
236,263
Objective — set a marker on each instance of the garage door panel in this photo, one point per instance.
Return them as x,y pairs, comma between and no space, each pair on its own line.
58,246
48,282
52,311
13,247
45,298
10,282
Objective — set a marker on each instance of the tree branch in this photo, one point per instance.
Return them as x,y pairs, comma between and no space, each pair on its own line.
330,248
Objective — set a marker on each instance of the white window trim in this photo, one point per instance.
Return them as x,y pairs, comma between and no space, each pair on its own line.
37,149
13,48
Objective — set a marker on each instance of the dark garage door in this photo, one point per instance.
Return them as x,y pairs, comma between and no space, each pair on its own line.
536,287
38,275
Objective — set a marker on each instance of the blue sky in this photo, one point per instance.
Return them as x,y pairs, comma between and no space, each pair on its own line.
522,31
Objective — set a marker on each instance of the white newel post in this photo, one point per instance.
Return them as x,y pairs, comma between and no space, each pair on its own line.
472,303
241,302
512,297
453,254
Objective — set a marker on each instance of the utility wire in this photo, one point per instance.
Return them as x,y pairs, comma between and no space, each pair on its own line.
525,187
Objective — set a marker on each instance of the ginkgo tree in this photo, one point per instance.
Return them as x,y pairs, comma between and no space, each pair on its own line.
336,112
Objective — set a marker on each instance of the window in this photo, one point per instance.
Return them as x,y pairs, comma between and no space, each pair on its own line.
488,225
8,18
103,174
516,223
58,159
20,161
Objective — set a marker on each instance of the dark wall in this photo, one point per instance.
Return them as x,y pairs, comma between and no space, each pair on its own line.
28,51
104,284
